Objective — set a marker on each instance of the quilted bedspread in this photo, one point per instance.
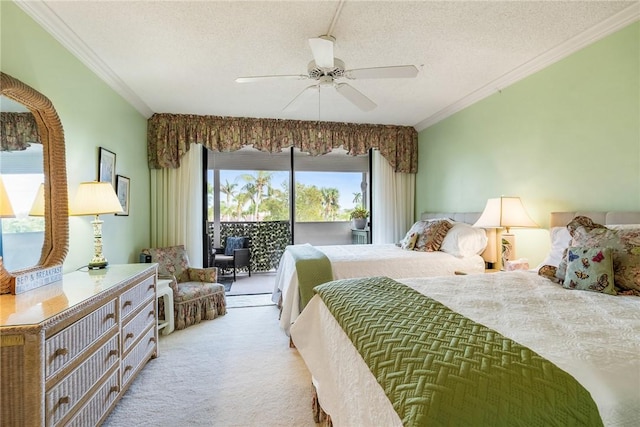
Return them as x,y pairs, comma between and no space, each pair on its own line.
312,267
438,367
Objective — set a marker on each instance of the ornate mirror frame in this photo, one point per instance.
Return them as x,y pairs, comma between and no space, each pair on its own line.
56,234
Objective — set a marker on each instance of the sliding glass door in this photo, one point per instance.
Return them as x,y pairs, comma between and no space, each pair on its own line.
283,198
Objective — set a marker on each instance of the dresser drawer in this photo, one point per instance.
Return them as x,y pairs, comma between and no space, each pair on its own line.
138,355
63,396
63,347
137,295
137,325
92,411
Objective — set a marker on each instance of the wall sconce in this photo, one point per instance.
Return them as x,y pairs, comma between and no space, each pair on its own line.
505,212
96,198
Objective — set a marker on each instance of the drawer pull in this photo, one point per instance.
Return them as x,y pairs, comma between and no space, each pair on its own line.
110,316
129,335
151,286
63,400
152,313
61,352
126,303
128,368
114,389
113,352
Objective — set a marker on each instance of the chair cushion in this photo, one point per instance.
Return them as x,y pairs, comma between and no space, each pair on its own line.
192,290
233,243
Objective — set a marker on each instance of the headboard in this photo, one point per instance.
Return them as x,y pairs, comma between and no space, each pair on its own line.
560,219
490,254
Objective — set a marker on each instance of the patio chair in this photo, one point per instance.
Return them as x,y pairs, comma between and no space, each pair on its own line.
196,295
235,253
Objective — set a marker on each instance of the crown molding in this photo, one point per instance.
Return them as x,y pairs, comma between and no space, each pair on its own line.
597,32
40,12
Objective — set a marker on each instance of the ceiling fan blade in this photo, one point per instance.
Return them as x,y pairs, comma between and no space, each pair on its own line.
252,79
322,49
291,106
394,72
357,98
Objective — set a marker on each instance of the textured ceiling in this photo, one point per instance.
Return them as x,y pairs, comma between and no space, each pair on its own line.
183,56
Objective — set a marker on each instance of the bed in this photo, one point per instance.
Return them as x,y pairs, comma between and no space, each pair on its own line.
349,261
591,336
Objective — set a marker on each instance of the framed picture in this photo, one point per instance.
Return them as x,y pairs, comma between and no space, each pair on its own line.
122,190
107,166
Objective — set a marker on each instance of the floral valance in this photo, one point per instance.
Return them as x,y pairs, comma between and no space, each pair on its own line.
170,136
17,130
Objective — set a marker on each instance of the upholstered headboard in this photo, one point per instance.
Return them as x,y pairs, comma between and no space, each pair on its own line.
560,219
490,254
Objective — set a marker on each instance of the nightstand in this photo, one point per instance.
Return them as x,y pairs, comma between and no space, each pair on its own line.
360,237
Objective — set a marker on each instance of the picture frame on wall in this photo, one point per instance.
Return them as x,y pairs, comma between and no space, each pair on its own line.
122,190
107,166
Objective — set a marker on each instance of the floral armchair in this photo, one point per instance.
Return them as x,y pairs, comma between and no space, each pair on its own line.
196,295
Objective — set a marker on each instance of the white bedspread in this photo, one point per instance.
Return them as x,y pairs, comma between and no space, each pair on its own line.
594,337
349,261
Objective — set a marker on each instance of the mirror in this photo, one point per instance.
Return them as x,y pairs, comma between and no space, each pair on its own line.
22,175
56,225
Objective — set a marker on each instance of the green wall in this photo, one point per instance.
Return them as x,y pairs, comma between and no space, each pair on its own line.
565,138
93,116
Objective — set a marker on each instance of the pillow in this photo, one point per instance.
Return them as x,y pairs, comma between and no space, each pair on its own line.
410,242
417,228
434,233
577,222
560,240
463,240
625,245
233,243
590,269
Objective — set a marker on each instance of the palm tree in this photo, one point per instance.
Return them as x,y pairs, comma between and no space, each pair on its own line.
228,189
330,203
258,185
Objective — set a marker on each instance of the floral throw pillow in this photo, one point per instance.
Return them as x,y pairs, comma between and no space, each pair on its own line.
625,245
417,228
409,242
590,269
434,233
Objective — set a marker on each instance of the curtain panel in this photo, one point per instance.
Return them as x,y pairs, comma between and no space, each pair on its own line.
170,137
17,130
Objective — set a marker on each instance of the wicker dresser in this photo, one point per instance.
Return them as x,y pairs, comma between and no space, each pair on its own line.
69,350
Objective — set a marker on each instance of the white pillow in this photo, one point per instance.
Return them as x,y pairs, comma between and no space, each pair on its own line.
463,240
560,240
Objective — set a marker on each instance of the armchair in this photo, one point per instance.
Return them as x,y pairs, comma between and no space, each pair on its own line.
196,295
235,253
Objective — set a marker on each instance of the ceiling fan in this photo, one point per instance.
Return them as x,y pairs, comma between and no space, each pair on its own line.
327,70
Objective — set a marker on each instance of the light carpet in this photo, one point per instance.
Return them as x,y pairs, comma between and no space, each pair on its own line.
236,370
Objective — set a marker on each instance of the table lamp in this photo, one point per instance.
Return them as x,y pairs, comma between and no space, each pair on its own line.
505,212
37,208
6,210
96,198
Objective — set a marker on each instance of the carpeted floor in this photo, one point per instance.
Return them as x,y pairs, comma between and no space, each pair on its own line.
236,370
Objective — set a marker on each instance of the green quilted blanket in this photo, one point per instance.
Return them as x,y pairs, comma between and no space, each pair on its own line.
438,367
312,268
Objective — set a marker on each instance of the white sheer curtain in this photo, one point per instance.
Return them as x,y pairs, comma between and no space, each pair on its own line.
393,201
176,206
